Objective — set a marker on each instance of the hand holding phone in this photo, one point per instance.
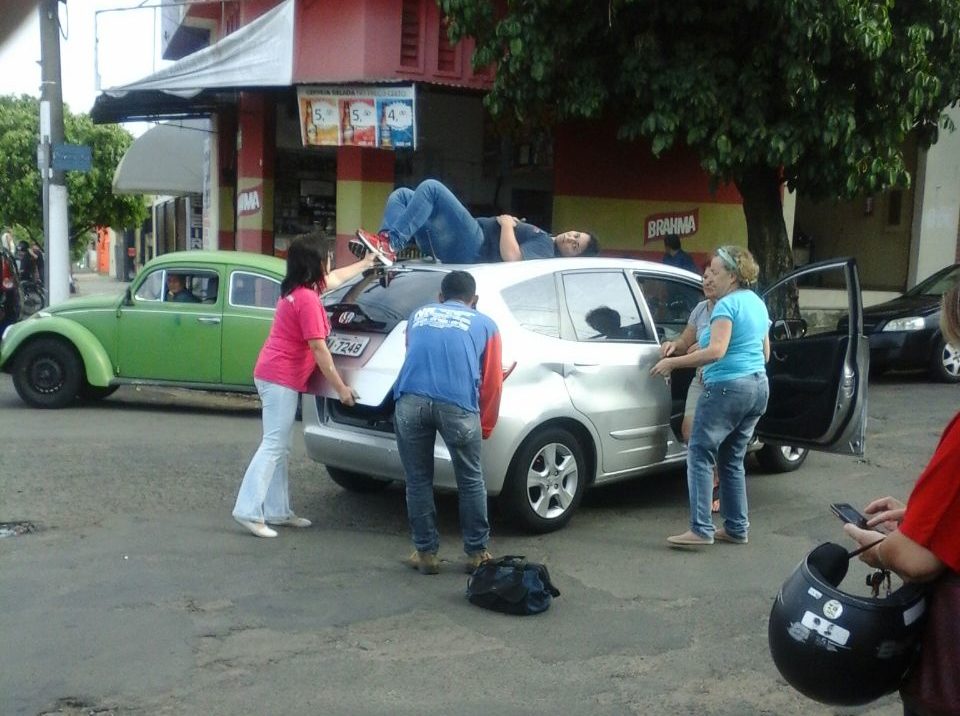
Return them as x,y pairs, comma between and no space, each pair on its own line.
848,513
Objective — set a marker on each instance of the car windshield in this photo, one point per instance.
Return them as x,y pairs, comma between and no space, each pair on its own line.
938,284
386,297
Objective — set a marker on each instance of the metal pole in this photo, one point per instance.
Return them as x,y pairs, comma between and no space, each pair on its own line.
55,223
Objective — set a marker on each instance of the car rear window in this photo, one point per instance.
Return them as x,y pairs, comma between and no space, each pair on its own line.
381,299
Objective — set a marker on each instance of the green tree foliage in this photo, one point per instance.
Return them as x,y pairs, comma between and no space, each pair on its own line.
92,202
819,95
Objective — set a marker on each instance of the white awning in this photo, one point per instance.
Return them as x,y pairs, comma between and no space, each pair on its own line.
259,54
166,159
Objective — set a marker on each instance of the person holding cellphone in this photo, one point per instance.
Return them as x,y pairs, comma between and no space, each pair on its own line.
919,541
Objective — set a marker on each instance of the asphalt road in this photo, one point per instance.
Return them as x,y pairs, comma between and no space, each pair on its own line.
137,594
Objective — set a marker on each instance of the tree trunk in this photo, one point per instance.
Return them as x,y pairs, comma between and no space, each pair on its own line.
766,231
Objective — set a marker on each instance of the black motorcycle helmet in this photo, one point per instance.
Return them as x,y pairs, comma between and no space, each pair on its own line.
839,648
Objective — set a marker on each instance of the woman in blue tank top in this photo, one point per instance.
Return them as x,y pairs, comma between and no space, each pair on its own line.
733,350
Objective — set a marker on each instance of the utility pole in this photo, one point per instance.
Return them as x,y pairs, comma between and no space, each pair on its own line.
55,224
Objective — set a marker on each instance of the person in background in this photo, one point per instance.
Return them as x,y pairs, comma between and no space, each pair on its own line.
295,347
442,227
450,383
177,290
676,256
733,352
919,541
687,341
605,321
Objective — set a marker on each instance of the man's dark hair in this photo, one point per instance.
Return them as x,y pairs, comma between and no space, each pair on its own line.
459,286
592,247
672,242
306,263
603,319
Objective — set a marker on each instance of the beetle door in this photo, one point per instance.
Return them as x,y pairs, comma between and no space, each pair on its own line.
819,360
164,339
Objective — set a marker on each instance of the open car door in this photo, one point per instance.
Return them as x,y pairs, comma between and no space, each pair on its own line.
819,360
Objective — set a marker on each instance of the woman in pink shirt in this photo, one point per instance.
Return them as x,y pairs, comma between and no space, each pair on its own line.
295,347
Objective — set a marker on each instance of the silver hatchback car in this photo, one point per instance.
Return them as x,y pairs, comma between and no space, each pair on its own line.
579,406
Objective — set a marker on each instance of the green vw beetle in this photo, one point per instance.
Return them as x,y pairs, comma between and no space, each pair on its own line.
191,319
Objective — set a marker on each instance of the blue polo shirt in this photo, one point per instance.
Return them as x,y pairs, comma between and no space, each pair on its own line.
751,321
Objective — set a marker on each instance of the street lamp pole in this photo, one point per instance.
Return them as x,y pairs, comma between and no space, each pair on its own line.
55,224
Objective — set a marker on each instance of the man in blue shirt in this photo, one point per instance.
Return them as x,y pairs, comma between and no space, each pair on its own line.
450,383
676,256
442,227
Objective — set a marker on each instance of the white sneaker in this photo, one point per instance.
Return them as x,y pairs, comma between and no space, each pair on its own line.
292,521
258,528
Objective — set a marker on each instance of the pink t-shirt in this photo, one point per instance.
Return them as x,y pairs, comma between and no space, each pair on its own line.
286,358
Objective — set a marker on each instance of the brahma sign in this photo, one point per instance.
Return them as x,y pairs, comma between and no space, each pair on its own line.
681,223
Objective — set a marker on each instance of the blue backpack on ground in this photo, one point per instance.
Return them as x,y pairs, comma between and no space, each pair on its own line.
512,585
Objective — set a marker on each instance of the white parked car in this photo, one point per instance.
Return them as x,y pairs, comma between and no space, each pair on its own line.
579,406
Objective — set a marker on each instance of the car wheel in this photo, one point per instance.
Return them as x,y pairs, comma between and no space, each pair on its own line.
354,481
546,481
781,458
48,374
92,393
945,363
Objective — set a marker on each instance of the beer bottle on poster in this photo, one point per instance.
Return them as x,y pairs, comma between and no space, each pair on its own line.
386,140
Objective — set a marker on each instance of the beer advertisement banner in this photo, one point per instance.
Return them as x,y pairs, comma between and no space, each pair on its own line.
358,116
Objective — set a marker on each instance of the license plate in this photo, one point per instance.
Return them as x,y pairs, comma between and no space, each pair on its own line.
341,344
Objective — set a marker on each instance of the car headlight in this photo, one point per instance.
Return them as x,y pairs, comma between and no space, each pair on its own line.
914,323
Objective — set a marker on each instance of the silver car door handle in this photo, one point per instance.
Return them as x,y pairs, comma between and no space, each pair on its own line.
209,320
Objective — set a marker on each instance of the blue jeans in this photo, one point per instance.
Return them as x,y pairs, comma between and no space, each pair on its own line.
264,494
727,414
418,420
433,217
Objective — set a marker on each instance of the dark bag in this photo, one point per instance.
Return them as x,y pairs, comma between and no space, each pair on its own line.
512,585
932,686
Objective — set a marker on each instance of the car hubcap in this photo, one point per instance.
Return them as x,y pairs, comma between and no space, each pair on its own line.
46,375
552,480
951,360
792,454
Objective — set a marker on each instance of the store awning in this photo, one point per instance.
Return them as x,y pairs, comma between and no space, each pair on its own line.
166,159
258,55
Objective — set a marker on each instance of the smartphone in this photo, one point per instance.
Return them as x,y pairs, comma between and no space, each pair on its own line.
849,513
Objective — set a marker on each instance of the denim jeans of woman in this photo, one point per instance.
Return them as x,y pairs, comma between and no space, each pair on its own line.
433,217
418,419
727,414
264,494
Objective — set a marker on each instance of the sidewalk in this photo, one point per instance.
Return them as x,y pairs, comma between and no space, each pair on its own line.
90,283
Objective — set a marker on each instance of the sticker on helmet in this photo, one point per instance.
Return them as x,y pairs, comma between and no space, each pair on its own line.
833,609
814,593
827,629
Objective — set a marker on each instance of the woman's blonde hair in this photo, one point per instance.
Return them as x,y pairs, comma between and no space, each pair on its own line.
950,316
740,262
